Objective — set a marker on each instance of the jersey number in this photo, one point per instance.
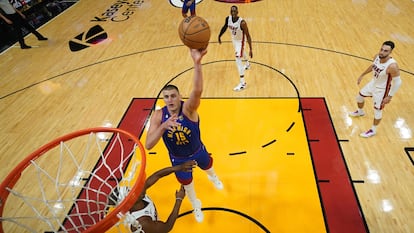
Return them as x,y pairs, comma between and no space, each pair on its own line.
181,139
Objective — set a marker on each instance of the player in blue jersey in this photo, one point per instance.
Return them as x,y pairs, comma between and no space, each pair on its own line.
188,5
178,125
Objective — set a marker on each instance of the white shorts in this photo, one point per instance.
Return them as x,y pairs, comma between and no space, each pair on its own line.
239,47
377,94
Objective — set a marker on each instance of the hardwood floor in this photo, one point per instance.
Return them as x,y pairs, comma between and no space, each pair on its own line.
311,48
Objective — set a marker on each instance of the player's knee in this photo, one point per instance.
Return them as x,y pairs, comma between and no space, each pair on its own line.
377,114
359,99
239,64
185,181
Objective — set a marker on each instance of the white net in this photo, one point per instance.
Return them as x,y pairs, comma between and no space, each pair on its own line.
74,185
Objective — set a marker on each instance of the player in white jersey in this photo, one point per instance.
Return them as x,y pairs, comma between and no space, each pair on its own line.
383,86
142,217
239,34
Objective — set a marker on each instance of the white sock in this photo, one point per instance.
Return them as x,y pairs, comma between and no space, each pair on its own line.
190,191
374,128
240,66
211,172
242,81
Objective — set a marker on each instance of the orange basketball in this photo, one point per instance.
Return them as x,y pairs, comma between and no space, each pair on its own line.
194,32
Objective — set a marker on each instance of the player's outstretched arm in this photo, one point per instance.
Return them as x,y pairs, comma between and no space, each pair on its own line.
152,179
163,227
191,105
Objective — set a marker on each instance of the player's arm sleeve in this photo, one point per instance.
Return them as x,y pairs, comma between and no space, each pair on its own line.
395,85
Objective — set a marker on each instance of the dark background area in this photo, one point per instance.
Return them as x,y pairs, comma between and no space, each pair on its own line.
37,12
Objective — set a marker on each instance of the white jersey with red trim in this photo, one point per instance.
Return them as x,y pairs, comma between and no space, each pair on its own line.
235,28
380,77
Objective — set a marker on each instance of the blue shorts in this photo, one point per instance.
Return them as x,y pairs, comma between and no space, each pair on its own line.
203,159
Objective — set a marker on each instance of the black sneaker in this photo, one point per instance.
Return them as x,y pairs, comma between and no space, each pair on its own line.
25,46
42,38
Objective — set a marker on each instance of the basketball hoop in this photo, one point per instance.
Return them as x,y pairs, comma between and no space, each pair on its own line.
81,182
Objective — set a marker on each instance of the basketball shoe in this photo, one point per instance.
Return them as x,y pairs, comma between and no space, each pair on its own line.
357,113
368,133
240,86
216,181
198,213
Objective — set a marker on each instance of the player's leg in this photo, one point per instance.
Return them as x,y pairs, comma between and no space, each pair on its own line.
378,106
366,91
205,162
195,202
186,179
246,59
238,48
184,9
193,8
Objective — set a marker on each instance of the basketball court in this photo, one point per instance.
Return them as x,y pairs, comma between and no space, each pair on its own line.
289,156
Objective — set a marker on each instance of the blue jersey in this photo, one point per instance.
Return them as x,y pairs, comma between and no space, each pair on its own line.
184,140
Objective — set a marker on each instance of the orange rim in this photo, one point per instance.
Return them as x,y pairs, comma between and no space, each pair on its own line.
111,219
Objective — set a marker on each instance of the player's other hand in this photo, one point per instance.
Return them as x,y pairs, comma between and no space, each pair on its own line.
180,193
171,123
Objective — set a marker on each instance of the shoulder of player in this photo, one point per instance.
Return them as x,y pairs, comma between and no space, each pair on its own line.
243,22
190,111
158,111
156,116
393,66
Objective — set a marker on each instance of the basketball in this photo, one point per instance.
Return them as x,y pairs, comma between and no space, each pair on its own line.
194,32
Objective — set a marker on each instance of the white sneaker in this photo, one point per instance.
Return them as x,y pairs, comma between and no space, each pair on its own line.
240,87
357,113
247,66
368,134
198,213
216,181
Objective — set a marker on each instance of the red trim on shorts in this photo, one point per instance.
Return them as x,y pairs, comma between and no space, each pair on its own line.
210,164
185,182
364,95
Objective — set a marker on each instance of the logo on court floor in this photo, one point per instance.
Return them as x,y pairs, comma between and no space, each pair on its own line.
93,36
119,11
